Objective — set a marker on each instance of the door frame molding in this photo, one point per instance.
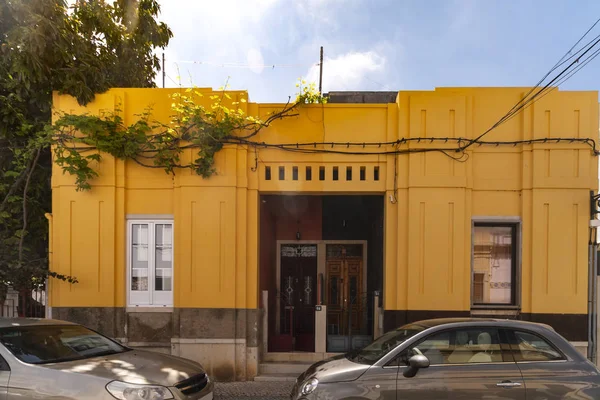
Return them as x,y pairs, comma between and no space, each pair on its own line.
321,269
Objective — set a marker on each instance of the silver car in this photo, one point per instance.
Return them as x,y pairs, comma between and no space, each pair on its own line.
49,359
457,358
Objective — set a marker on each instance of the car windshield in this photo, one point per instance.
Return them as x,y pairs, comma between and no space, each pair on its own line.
384,344
43,344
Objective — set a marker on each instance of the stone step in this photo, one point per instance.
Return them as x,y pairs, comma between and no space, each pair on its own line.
287,368
276,378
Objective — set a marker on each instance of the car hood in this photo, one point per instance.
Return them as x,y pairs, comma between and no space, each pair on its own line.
134,366
335,369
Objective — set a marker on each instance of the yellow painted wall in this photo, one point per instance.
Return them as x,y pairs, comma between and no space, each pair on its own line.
427,230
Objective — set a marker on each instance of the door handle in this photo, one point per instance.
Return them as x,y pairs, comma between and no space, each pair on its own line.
508,384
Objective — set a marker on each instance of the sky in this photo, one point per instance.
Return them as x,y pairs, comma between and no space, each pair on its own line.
264,46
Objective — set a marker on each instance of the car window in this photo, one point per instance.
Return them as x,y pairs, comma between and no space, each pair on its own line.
460,346
531,347
384,344
56,343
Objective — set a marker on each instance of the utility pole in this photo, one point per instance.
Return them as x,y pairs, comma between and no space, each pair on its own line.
163,68
321,72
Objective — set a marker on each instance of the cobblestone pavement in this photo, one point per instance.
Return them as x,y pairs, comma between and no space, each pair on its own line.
253,390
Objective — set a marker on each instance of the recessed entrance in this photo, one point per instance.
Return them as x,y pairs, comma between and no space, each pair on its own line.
321,264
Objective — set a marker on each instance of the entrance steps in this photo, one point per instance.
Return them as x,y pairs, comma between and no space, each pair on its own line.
284,371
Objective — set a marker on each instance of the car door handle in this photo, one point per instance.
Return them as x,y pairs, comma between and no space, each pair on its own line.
508,384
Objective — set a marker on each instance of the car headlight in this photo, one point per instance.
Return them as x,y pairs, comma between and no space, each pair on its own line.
130,391
309,386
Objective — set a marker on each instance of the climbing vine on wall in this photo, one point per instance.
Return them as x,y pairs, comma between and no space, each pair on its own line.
79,141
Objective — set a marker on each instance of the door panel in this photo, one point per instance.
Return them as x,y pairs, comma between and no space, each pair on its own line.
548,375
558,380
353,293
468,363
335,296
428,384
298,295
344,296
493,381
377,384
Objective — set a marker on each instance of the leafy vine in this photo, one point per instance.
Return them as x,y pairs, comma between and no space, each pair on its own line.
80,140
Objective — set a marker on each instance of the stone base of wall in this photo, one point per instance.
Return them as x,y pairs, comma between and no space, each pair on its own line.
224,341
223,359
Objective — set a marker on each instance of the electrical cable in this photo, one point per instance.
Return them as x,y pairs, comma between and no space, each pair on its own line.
588,141
576,43
306,147
522,103
559,63
561,81
562,61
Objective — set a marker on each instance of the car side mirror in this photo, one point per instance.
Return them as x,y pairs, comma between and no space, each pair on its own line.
416,362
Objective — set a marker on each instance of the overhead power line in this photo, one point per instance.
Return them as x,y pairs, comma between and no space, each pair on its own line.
564,75
560,81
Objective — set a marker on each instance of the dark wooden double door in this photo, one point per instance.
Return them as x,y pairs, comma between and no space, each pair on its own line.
298,295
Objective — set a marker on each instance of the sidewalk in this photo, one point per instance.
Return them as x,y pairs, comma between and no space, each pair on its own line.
253,390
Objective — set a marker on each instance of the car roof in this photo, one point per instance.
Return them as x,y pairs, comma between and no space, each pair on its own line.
12,322
508,323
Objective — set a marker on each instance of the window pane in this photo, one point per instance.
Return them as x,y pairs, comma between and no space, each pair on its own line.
164,235
163,280
531,347
465,346
140,234
384,344
164,246
493,265
139,257
139,279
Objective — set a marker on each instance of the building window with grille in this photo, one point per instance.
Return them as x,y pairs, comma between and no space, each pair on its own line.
494,278
150,263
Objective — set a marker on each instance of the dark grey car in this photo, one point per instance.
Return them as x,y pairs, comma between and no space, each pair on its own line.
457,358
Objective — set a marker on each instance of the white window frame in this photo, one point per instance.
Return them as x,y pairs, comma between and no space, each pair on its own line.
151,298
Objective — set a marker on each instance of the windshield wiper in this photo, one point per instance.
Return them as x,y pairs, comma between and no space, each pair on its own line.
57,360
80,357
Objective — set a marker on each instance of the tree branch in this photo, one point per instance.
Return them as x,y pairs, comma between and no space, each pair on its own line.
25,189
14,188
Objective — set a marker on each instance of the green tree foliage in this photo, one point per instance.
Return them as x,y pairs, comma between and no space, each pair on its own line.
81,140
80,50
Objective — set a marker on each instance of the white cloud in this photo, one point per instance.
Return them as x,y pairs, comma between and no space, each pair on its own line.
253,33
223,30
320,11
350,71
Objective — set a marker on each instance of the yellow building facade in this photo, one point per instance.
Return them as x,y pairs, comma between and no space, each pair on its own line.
293,255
